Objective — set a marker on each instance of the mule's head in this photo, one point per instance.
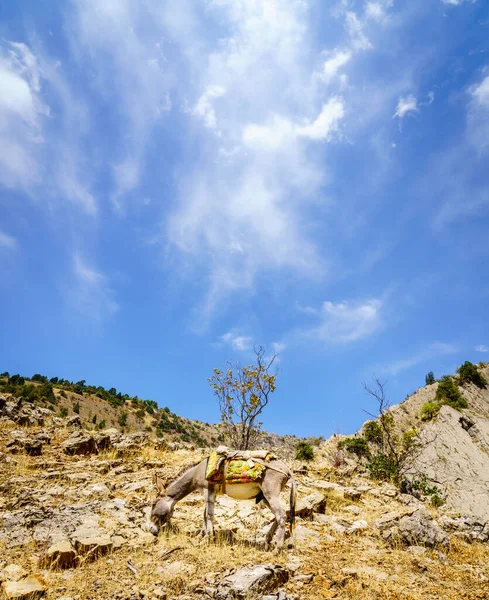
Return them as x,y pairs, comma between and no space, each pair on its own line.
161,510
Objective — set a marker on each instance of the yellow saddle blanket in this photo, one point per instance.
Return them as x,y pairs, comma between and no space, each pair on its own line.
238,467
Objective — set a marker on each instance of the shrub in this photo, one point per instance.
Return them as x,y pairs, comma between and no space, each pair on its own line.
430,378
101,425
436,501
41,378
429,410
355,445
76,408
63,394
372,432
63,412
304,451
383,468
16,380
448,393
122,419
94,419
468,373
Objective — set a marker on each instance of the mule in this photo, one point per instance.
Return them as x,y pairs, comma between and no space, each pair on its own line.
267,489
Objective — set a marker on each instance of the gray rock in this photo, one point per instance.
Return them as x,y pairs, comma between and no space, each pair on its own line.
467,527
313,503
25,589
418,529
352,494
93,546
80,443
12,573
249,581
60,555
74,421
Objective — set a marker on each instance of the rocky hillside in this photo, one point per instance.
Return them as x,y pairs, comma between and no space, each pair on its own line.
455,442
99,409
73,503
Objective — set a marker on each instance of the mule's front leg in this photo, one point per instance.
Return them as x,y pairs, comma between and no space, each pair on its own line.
208,527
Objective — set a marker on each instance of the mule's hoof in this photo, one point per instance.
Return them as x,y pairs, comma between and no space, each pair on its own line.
150,528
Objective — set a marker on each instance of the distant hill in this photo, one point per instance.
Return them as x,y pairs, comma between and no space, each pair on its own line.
99,408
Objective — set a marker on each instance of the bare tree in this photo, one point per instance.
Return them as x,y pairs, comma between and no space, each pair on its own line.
401,450
243,392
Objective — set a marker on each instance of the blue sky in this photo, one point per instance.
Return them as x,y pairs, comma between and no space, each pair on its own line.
182,179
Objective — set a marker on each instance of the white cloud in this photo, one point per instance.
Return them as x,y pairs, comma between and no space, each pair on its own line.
355,28
21,116
7,241
241,343
346,322
405,106
326,123
478,115
432,351
205,107
333,64
481,348
91,293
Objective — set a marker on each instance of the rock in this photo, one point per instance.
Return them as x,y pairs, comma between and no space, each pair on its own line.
467,527
353,509
43,437
365,571
247,581
79,443
418,529
357,526
60,555
74,421
25,589
302,534
351,494
313,503
33,447
159,593
93,546
12,573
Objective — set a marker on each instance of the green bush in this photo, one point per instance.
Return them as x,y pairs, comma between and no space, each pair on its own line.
304,451
468,373
373,433
448,393
122,419
437,501
94,419
383,468
101,425
76,408
63,412
430,378
429,410
355,445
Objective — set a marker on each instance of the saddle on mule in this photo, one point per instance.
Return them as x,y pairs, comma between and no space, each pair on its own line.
226,466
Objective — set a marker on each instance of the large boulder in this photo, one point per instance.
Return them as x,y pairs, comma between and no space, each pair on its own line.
417,529
25,589
60,555
467,527
80,443
250,581
313,503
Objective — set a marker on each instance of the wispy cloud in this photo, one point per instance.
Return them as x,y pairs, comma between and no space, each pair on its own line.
241,343
22,113
90,292
482,348
478,115
7,241
345,322
432,351
405,106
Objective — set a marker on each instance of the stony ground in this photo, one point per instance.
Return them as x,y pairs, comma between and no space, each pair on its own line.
71,526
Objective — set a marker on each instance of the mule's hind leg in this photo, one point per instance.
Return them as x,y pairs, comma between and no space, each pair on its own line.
272,497
273,526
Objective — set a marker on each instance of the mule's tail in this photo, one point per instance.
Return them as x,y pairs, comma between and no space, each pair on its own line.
293,498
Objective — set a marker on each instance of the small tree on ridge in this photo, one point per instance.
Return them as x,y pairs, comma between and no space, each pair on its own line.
243,392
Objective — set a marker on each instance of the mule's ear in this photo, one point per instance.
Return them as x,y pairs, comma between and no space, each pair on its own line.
159,484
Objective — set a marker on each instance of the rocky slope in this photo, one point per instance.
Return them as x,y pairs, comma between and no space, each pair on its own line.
73,503
456,446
